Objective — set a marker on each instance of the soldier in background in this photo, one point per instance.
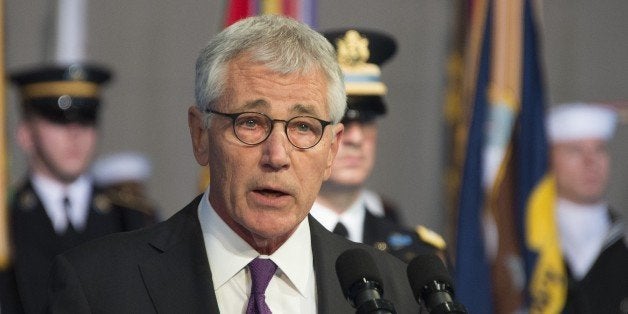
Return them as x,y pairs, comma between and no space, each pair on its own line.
593,236
344,205
57,206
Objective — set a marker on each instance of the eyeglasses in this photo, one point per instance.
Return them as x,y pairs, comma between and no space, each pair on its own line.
252,128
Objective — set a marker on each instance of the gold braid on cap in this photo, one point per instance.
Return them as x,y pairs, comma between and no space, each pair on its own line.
58,88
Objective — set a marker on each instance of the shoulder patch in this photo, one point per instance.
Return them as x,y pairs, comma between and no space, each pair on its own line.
398,240
431,237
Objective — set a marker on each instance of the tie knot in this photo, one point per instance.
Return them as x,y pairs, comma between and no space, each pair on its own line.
262,270
341,230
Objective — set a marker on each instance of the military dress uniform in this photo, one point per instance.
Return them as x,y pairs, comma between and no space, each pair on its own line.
63,95
36,242
366,222
370,219
593,293
404,243
593,238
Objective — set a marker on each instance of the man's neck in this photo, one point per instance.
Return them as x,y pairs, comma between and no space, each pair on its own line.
338,198
46,176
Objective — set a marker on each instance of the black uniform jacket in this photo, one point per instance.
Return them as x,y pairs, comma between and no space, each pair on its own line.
164,269
35,242
386,235
604,289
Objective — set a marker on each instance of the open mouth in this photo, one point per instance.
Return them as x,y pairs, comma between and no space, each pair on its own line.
270,193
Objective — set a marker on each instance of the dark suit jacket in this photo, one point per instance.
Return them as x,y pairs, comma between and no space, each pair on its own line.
35,242
164,269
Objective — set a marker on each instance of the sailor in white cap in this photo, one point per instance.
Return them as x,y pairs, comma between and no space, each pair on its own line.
592,237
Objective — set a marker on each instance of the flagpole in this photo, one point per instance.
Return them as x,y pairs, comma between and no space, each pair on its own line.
4,176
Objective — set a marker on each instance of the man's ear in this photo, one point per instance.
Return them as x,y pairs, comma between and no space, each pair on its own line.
199,135
338,131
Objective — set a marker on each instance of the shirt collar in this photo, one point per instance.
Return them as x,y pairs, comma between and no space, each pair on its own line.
228,254
51,193
578,223
352,218
51,189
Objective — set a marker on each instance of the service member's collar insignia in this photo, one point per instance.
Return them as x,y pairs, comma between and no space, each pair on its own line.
28,201
353,49
102,203
382,246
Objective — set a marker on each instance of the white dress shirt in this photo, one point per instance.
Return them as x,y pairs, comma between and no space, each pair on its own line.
291,290
51,194
583,231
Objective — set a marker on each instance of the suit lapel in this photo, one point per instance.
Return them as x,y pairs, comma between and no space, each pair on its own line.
178,277
326,247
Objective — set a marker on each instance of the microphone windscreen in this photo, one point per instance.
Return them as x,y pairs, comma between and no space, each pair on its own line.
355,265
427,268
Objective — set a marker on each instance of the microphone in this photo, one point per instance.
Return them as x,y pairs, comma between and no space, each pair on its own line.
361,282
432,285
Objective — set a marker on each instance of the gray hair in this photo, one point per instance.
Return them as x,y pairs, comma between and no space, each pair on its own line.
282,44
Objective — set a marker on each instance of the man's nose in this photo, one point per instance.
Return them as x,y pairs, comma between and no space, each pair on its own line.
276,148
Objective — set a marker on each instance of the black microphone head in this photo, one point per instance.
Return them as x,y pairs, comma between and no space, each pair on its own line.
432,285
427,268
355,265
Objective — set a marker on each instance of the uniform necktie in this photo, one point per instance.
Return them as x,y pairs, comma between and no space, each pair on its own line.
341,230
67,206
262,271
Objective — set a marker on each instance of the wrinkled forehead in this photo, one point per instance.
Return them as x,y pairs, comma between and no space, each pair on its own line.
254,86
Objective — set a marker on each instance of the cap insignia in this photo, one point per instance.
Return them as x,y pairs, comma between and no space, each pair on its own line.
353,49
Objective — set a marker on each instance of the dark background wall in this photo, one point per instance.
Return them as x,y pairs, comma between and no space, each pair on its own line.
151,46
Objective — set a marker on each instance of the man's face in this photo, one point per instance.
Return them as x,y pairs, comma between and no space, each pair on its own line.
356,156
60,151
264,191
581,168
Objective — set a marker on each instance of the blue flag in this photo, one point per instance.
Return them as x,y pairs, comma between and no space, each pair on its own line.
506,161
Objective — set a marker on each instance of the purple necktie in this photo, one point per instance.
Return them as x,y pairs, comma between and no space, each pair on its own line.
262,270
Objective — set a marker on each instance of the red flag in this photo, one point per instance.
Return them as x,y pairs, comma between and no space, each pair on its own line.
237,10
302,10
